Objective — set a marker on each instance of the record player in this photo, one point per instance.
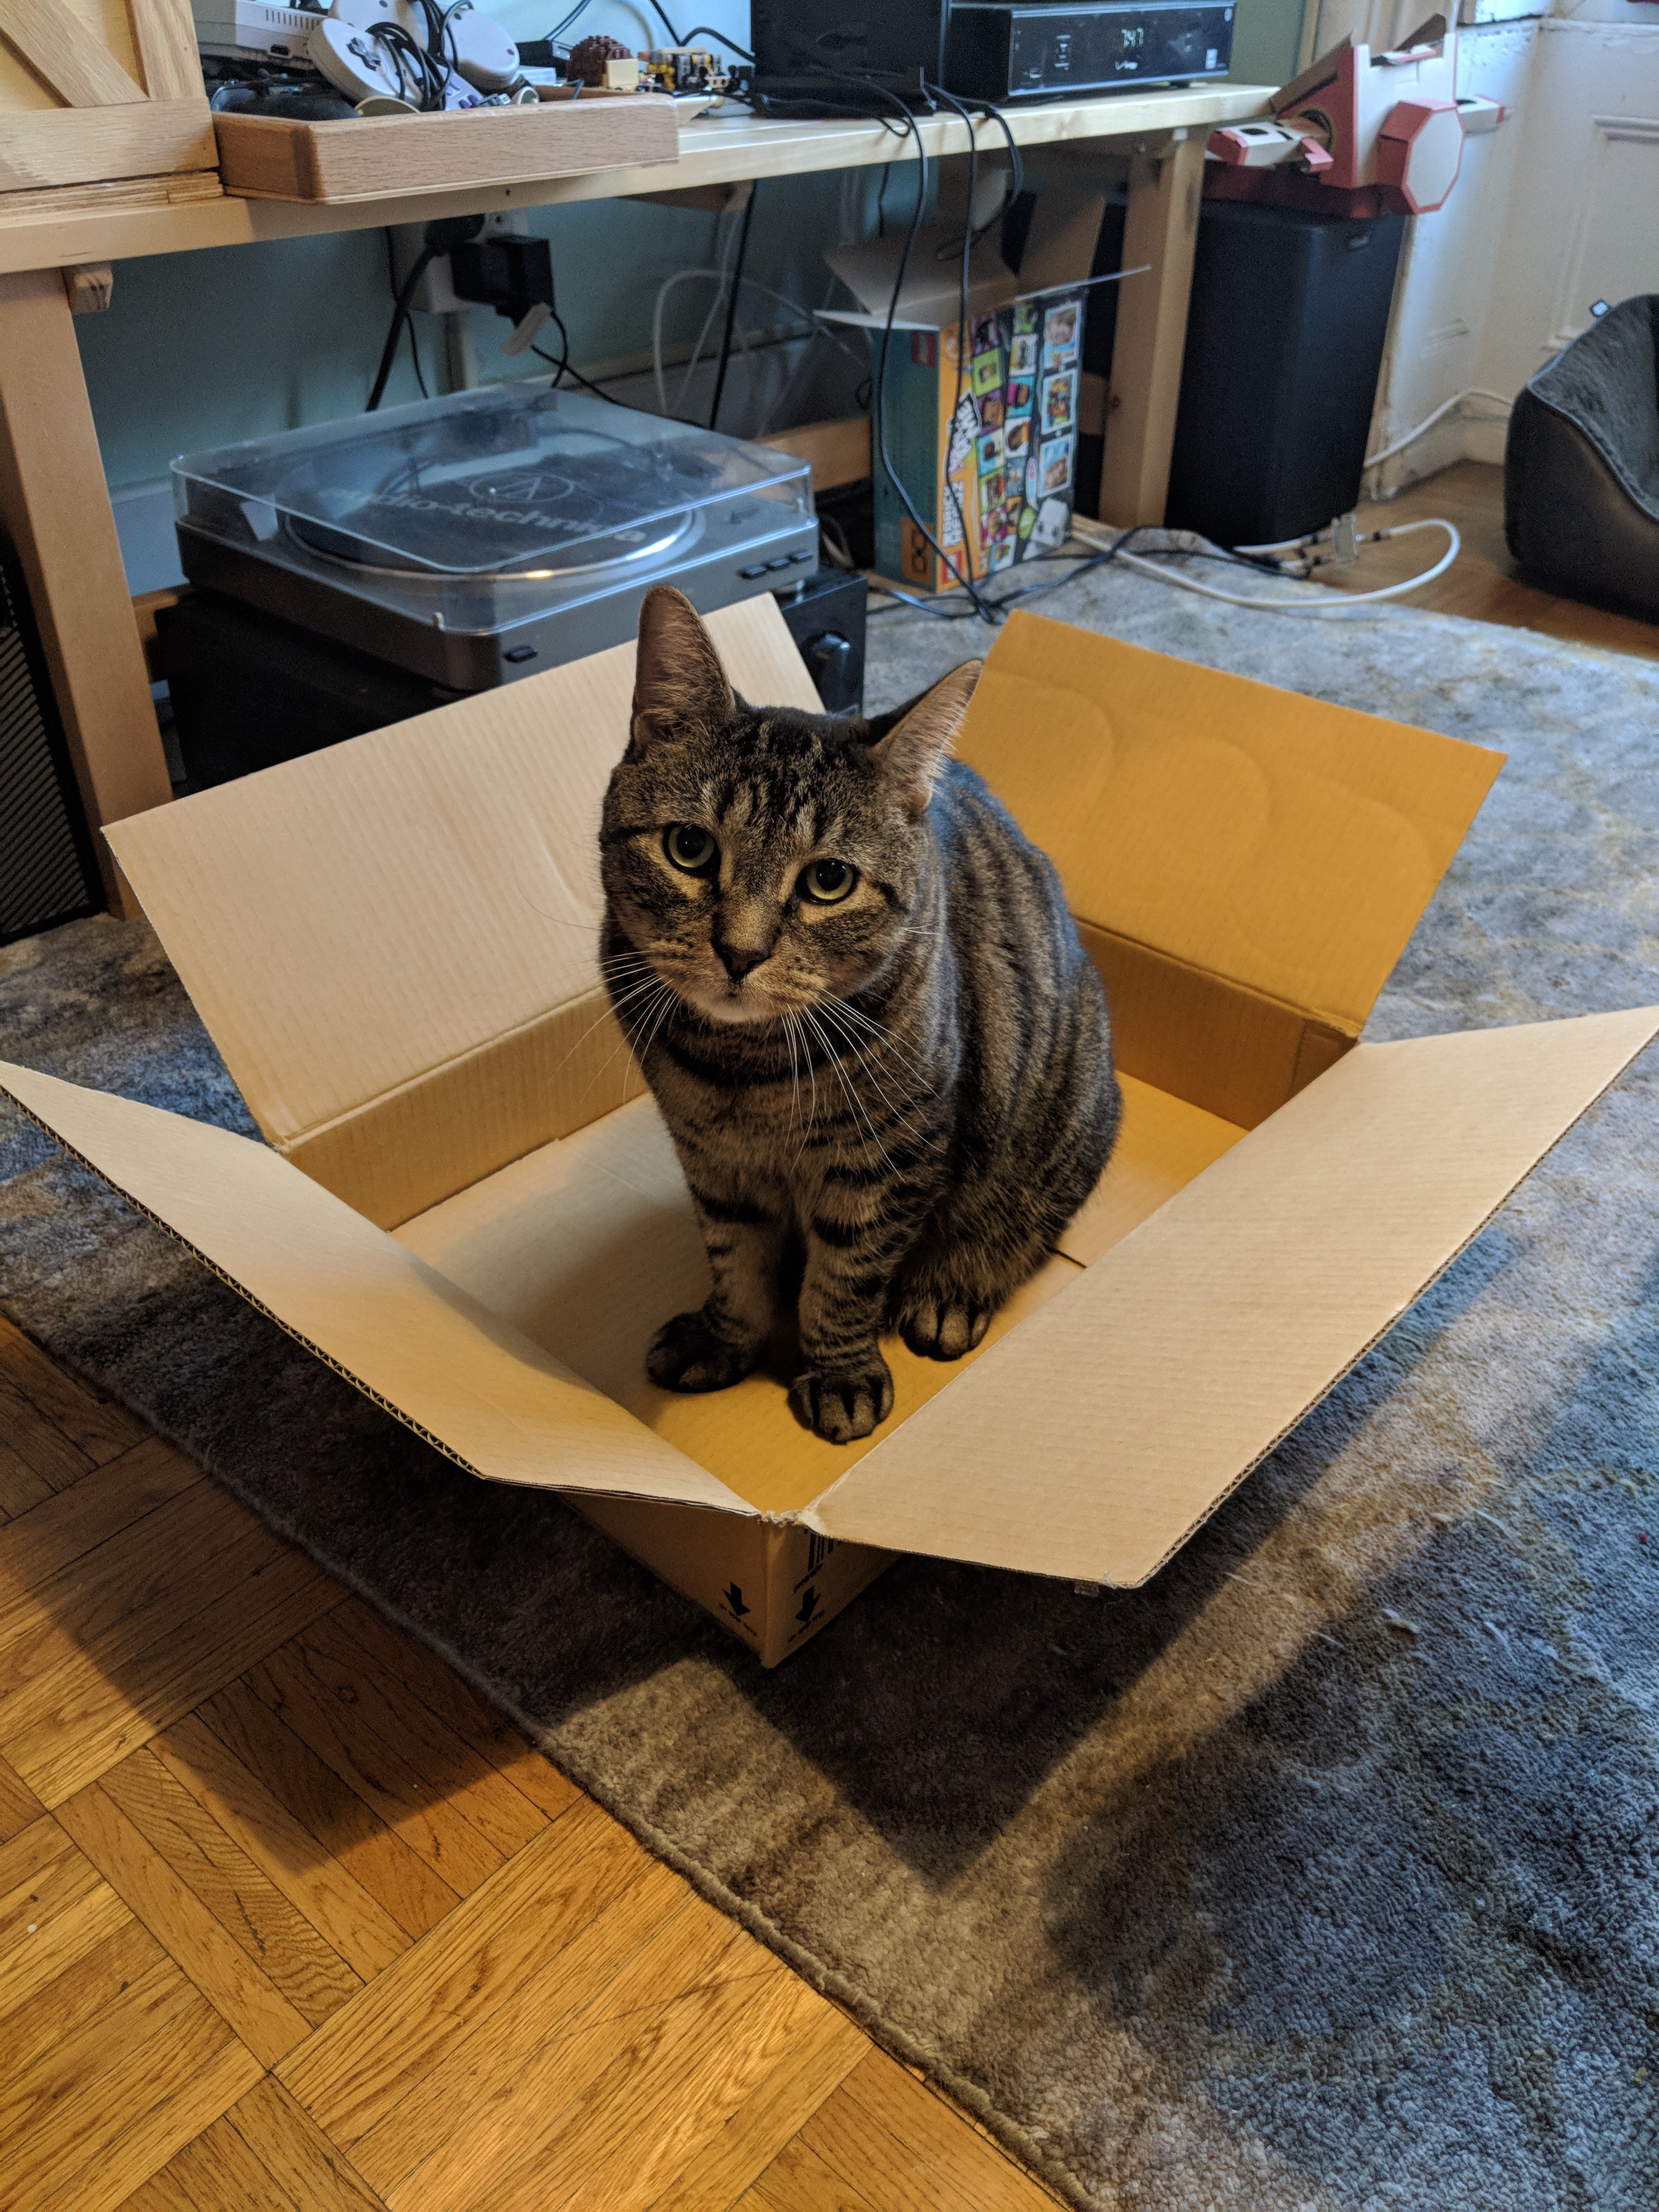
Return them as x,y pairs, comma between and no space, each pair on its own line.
482,537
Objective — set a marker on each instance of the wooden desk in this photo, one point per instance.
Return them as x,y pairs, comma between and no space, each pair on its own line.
54,504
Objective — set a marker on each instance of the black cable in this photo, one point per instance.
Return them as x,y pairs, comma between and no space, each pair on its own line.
418,68
731,304
698,31
881,198
1086,565
417,269
905,126
442,235
562,368
704,31
952,492
964,574
414,343
878,389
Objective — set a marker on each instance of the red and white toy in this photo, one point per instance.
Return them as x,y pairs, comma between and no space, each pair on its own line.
1382,130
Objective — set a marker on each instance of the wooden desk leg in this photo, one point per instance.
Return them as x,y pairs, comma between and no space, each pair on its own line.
1161,228
54,506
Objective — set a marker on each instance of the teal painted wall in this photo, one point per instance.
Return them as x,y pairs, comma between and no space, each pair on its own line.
198,349
1266,36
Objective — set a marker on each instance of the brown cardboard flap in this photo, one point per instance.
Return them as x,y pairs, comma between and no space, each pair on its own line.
1232,1051
1093,1442
1276,841
415,1343
409,907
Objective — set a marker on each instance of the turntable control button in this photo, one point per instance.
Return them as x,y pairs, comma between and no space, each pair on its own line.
782,561
520,652
758,568
795,559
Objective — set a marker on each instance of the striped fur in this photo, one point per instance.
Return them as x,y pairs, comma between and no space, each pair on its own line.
905,1093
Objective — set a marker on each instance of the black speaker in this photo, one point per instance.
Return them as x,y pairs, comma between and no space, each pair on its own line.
48,871
1285,338
249,690
826,615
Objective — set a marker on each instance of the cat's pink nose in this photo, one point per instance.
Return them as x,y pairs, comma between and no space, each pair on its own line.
738,959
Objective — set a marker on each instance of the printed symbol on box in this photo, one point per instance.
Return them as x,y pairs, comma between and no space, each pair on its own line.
809,1606
818,1549
734,1599
917,554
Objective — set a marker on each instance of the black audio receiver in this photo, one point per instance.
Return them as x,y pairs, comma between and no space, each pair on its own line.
808,49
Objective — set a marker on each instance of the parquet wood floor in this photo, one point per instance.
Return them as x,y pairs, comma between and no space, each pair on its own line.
291,1922
1481,582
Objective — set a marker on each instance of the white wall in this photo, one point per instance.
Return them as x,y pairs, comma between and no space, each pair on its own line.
1443,297
1554,211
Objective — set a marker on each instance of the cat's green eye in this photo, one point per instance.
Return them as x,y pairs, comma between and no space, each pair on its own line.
826,882
690,849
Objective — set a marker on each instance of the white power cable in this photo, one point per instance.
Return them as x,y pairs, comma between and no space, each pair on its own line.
1339,602
1428,422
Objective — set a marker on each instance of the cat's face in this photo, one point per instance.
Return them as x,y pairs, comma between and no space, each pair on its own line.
760,859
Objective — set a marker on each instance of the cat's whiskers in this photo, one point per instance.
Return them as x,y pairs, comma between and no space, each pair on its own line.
886,1037
859,1112
662,1014
795,1075
796,1028
899,1110
880,1038
614,1006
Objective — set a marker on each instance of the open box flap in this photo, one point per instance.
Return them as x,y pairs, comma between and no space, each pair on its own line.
451,1370
1279,842
1094,1440
350,922
1058,249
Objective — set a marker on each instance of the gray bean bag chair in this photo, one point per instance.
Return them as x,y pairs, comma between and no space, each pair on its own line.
1581,469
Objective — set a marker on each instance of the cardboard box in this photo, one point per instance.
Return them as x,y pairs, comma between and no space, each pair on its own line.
984,444
466,1208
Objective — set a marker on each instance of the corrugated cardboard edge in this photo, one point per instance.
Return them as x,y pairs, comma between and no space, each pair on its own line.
810,1517
737,1513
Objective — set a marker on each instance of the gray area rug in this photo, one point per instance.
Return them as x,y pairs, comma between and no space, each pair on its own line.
1320,1873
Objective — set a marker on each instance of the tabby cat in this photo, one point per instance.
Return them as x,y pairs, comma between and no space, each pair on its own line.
858,996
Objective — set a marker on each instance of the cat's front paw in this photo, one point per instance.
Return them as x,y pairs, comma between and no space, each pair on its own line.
848,1404
687,1355
942,1329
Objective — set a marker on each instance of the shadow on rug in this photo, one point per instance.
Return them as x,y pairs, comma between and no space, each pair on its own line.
1320,1873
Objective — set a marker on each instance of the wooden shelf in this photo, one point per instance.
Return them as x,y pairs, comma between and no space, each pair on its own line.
717,149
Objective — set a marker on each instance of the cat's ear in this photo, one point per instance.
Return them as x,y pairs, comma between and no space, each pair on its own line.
909,753
678,683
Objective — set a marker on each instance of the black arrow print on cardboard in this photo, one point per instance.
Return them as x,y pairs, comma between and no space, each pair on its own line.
734,1599
809,1606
